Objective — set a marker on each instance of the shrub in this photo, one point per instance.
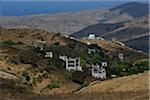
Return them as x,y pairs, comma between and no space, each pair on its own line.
14,87
14,59
95,58
134,70
83,61
22,34
28,57
20,43
72,45
83,85
9,42
143,65
26,75
56,44
53,84
78,77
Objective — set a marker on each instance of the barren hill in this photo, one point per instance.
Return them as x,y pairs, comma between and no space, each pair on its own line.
133,9
128,87
74,21
124,32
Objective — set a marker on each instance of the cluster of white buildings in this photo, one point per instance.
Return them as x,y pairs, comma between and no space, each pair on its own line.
73,63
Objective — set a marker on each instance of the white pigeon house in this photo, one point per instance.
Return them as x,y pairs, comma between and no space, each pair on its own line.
49,55
98,71
104,64
63,57
73,64
91,36
40,44
121,56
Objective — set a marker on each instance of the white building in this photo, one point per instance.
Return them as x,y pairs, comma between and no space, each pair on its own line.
113,76
73,64
121,56
104,64
91,36
63,57
49,55
93,48
98,71
40,44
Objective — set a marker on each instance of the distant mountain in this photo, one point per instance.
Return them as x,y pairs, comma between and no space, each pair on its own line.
72,22
98,29
139,43
134,9
124,32
69,22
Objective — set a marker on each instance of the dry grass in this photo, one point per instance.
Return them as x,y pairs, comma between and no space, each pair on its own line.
132,83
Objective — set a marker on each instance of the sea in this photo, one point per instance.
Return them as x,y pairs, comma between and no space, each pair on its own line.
24,8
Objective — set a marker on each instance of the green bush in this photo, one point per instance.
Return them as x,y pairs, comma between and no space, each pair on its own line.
20,43
95,58
14,87
22,34
28,57
72,45
53,84
26,75
9,42
78,77
134,70
83,85
143,65
83,61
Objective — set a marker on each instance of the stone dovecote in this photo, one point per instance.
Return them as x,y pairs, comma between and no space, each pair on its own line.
49,55
121,56
40,44
72,63
91,36
98,71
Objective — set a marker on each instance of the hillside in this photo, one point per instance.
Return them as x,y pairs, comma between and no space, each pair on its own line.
123,32
137,85
25,69
114,48
59,22
123,88
134,9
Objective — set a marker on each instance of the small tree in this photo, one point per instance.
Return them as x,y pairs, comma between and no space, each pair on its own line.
78,77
